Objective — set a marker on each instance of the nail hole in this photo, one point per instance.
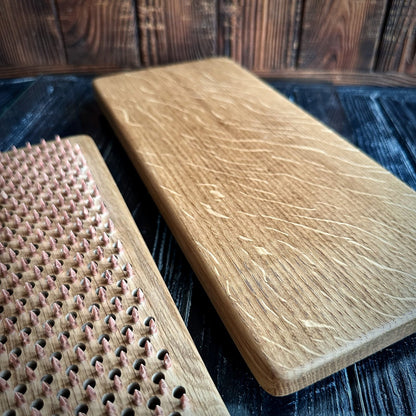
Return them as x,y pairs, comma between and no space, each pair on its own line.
9,413
98,289
94,304
45,293
47,378
64,393
81,408
13,319
73,368
161,354
147,320
108,397
136,364
23,300
132,387
27,330
143,340
175,414
87,324
127,412
21,388
41,342
114,372
130,310
37,404
51,322
178,392
153,402
32,365
89,382
80,345
66,333
3,339
95,359
5,374
125,328
74,315
57,355
107,318
101,337
17,351
119,282
36,312
157,377
119,349
113,300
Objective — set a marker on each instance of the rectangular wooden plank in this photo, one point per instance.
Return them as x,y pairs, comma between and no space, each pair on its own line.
397,46
340,34
99,33
375,135
297,237
80,288
261,35
30,34
173,31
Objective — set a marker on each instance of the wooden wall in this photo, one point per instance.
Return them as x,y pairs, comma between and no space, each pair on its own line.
346,41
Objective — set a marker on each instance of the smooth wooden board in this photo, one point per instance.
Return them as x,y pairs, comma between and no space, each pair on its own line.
305,246
187,372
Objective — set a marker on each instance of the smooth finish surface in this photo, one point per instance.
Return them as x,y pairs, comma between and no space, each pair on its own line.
383,384
149,364
306,247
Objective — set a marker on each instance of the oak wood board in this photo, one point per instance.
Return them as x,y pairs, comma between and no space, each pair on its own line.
184,372
305,246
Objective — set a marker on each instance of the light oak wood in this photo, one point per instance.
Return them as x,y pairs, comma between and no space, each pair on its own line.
306,247
59,161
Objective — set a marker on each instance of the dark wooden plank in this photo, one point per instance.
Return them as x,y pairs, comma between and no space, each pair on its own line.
30,34
340,34
322,102
10,91
402,115
172,31
374,135
386,381
398,43
99,32
261,35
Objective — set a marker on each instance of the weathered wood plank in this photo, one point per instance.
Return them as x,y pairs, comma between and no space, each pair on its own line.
261,35
398,43
340,34
99,32
289,228
172,31
30,34
374,134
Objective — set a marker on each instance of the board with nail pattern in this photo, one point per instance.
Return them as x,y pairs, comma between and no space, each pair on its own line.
87,324
306,247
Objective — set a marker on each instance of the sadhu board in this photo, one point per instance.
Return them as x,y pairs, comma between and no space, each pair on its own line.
306,246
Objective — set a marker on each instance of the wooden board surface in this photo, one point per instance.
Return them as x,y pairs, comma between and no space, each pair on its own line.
39,381
305,246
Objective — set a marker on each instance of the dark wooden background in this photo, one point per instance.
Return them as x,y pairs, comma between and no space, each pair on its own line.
344,41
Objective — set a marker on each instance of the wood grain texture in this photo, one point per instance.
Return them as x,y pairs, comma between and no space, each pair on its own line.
398,44
99,33
298,240
340,34
29,34
186,370
176,30
261,35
